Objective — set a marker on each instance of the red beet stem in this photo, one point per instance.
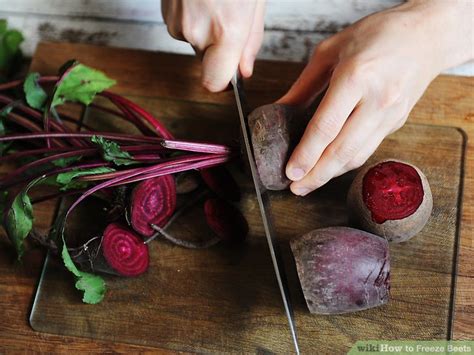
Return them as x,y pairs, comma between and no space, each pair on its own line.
124,251
112,136
45,160
157,125
126,114
195,146
15,83
56,125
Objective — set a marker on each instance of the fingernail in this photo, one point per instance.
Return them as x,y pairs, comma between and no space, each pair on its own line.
301,191
296,174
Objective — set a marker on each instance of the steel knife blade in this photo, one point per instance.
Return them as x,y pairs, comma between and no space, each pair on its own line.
264,204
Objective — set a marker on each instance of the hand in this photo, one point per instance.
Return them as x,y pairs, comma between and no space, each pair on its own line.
375,71
226,33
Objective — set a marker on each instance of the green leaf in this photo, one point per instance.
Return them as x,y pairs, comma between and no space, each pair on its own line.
63,162
111,151
35,95
19,218
10,41
80,84
66,179
3,26
93,286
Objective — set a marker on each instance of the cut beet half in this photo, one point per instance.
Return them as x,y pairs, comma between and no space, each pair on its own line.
153,201
225,220
391,199
124,251
392,190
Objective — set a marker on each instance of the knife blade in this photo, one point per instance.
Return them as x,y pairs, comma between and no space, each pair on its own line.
263,199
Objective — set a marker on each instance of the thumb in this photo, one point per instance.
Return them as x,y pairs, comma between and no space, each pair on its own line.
219,63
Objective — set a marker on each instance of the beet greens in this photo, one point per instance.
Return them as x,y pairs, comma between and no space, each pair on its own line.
76,160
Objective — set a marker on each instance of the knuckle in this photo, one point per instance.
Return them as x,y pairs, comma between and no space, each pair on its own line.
322,46
325,129
345,152
389,97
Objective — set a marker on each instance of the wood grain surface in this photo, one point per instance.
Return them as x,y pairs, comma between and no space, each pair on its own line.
159,83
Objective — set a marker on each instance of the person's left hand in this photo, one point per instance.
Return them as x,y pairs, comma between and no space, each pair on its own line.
375,71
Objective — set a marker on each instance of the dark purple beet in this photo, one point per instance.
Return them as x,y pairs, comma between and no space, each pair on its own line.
342,269
225,220
221,182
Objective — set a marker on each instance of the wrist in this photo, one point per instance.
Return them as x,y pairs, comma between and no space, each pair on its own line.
448,27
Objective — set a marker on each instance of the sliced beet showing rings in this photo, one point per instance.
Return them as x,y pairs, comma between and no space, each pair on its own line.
125,251
391,199
153,201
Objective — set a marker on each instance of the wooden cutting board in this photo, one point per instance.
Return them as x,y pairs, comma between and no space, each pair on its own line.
225,299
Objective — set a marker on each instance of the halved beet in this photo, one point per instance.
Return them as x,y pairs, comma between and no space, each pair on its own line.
221,182
124,251
391,199
225,220
342,269
275,130
153,201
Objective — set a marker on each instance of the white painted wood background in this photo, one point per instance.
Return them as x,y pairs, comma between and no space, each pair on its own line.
292,28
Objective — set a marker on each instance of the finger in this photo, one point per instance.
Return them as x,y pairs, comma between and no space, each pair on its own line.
357,131
254,41
312,81
363,155
339,101
171,11
219,63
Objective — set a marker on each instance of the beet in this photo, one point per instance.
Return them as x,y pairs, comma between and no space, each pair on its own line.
221,182
275,131
153,201
391,199
342,269
225,220
124,251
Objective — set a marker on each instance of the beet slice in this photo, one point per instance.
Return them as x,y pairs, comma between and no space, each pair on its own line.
225,220
342,269
221,182
153,201
124,251
392,199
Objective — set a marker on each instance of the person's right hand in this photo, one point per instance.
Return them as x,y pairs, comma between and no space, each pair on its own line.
226,33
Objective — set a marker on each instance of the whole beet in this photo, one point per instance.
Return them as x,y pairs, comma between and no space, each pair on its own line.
342,269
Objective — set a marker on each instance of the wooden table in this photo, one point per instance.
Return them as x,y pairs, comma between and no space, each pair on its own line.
448,101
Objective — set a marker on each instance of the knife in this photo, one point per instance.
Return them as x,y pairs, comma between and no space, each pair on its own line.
264,204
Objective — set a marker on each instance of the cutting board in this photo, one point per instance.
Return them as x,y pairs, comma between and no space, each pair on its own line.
225,299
